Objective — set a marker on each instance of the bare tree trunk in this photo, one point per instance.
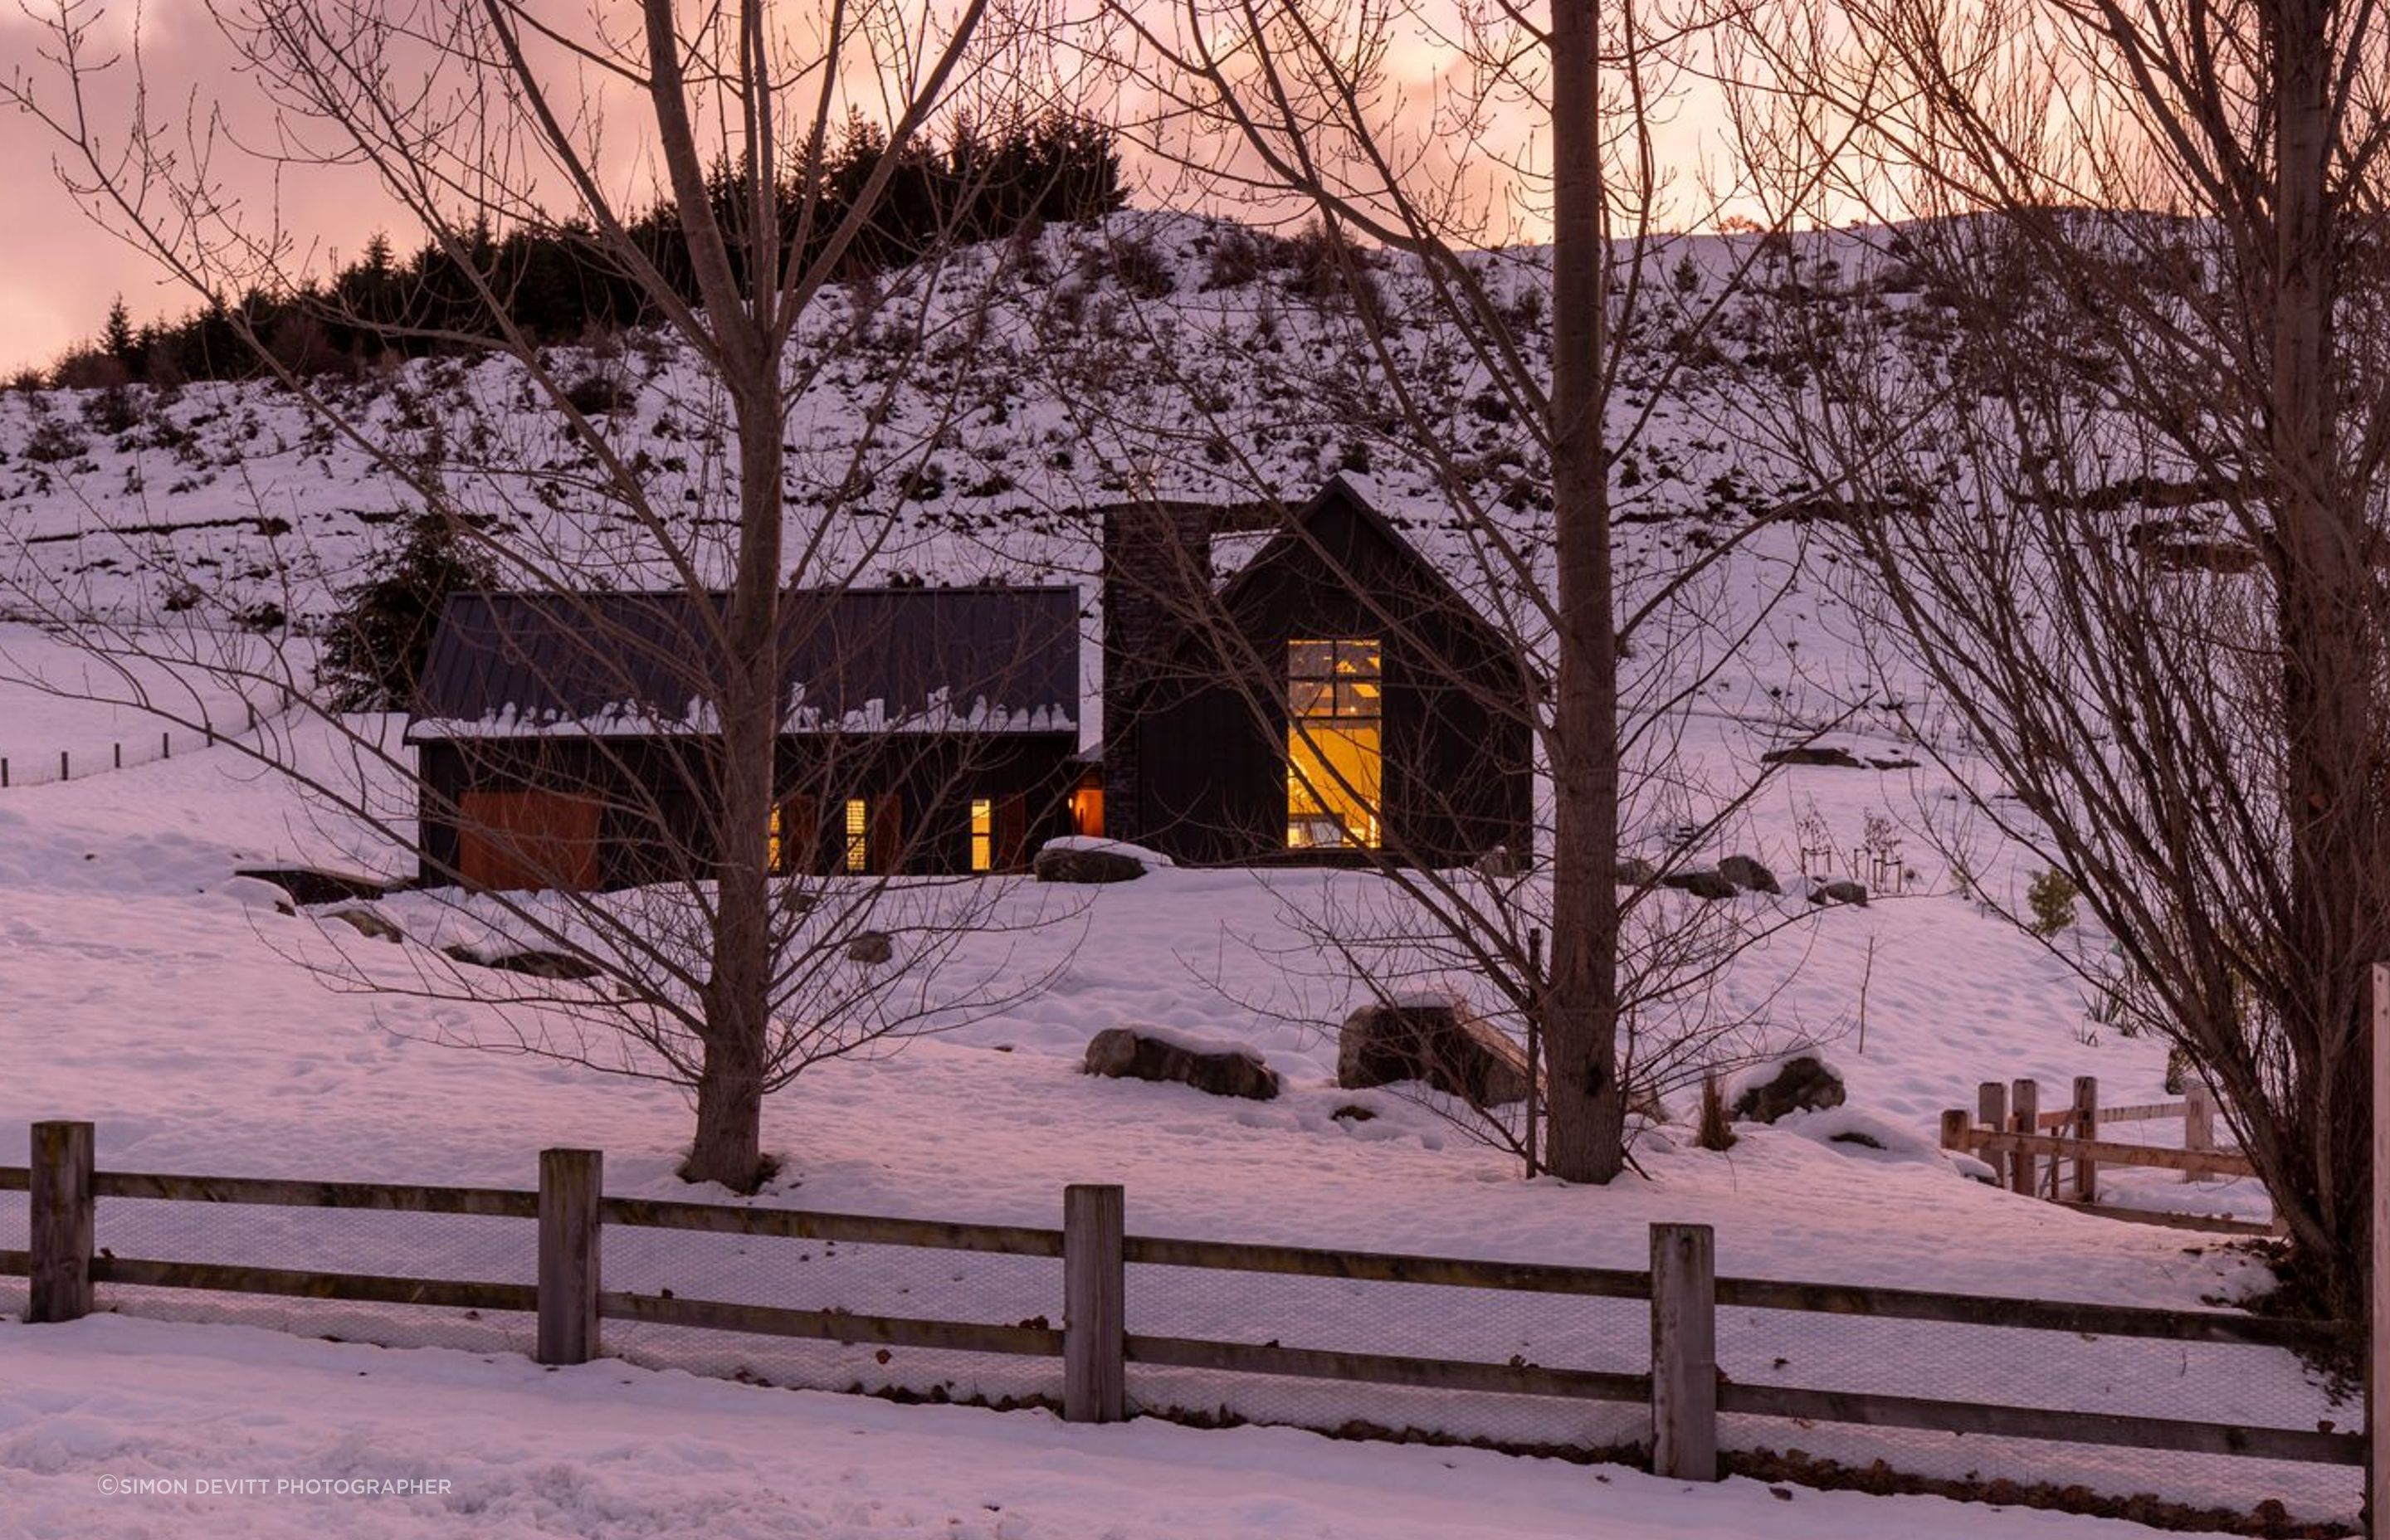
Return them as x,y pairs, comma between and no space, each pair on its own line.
1587,1103
2328,678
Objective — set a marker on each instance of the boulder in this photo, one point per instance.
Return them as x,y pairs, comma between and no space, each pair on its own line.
1635,872
1802,1084
1745,872
369,922
1702,883
1433,1038
1812,754
1841,890
530,962
871,947
315,885
1064,862
1144,1053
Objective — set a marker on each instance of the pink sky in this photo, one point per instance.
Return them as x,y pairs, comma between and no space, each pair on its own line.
62,269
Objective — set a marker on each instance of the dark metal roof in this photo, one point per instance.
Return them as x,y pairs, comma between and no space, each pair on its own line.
976,659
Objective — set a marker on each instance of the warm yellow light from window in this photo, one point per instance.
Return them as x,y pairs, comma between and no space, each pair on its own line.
983,834
1335,743
771,841
859,845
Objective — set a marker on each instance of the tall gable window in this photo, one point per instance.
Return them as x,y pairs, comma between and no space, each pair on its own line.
1335,732
858,836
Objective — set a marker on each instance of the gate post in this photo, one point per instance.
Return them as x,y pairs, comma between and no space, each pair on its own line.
571,1189
1095,1304
1684,1352
59,1247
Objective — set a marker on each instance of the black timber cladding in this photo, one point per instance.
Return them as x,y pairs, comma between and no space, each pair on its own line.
1204,718
620,657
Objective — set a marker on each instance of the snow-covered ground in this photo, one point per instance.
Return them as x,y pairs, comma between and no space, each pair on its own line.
151,995
94,1417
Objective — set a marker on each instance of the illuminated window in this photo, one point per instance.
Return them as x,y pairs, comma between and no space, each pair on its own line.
1334,738
858,840
772,855
983,834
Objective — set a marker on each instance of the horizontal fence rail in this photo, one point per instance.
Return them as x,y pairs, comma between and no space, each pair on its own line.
1683,1386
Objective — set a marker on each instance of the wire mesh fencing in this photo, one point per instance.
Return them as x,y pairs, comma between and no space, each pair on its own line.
2049,1371
1414,1320
435,1248
16,1234
911,1283
1536,1357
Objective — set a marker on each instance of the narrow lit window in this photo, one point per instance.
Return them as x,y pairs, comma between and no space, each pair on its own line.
858,840
1334,741
772,841
983,835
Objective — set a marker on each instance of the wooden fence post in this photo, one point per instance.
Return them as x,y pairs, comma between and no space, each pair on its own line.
2025,1117
2087,1126
1095,1303
2198,1120
2377,1377
1684,1352
1956,1126
1992,1112
571,1186
59,1245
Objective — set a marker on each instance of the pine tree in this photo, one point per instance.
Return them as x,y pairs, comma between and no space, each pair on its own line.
374,661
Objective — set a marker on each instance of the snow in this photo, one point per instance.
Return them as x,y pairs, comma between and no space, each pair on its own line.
1153,860
507,1451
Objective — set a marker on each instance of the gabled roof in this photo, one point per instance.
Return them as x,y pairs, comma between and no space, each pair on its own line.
859,660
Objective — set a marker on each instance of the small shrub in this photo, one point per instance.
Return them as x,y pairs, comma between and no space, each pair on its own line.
1240,256
2051,897
53,442
1139,269
1715,1132
598,393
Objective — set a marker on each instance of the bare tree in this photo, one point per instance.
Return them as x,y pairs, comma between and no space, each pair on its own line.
1584,349
478,118
2111,419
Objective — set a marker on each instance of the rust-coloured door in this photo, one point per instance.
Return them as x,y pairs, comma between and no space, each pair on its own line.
527,840
1011,832
887,849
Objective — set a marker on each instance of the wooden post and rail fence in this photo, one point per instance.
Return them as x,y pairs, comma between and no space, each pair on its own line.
1097,1343
2058,1154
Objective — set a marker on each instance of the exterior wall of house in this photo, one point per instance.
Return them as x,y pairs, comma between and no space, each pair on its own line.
649,824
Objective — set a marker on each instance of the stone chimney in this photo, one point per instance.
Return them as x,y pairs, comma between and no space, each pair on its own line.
1157,574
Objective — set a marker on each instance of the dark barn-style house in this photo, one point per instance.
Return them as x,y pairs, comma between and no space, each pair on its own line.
1328,697
562,740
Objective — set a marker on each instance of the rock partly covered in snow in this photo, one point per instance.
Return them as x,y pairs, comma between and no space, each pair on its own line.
870,947
1804,1084
1840,890
1221,1069
530,962
369,922
1702,882
1813,754
1078,859
315,885
1436,1039
1747,873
